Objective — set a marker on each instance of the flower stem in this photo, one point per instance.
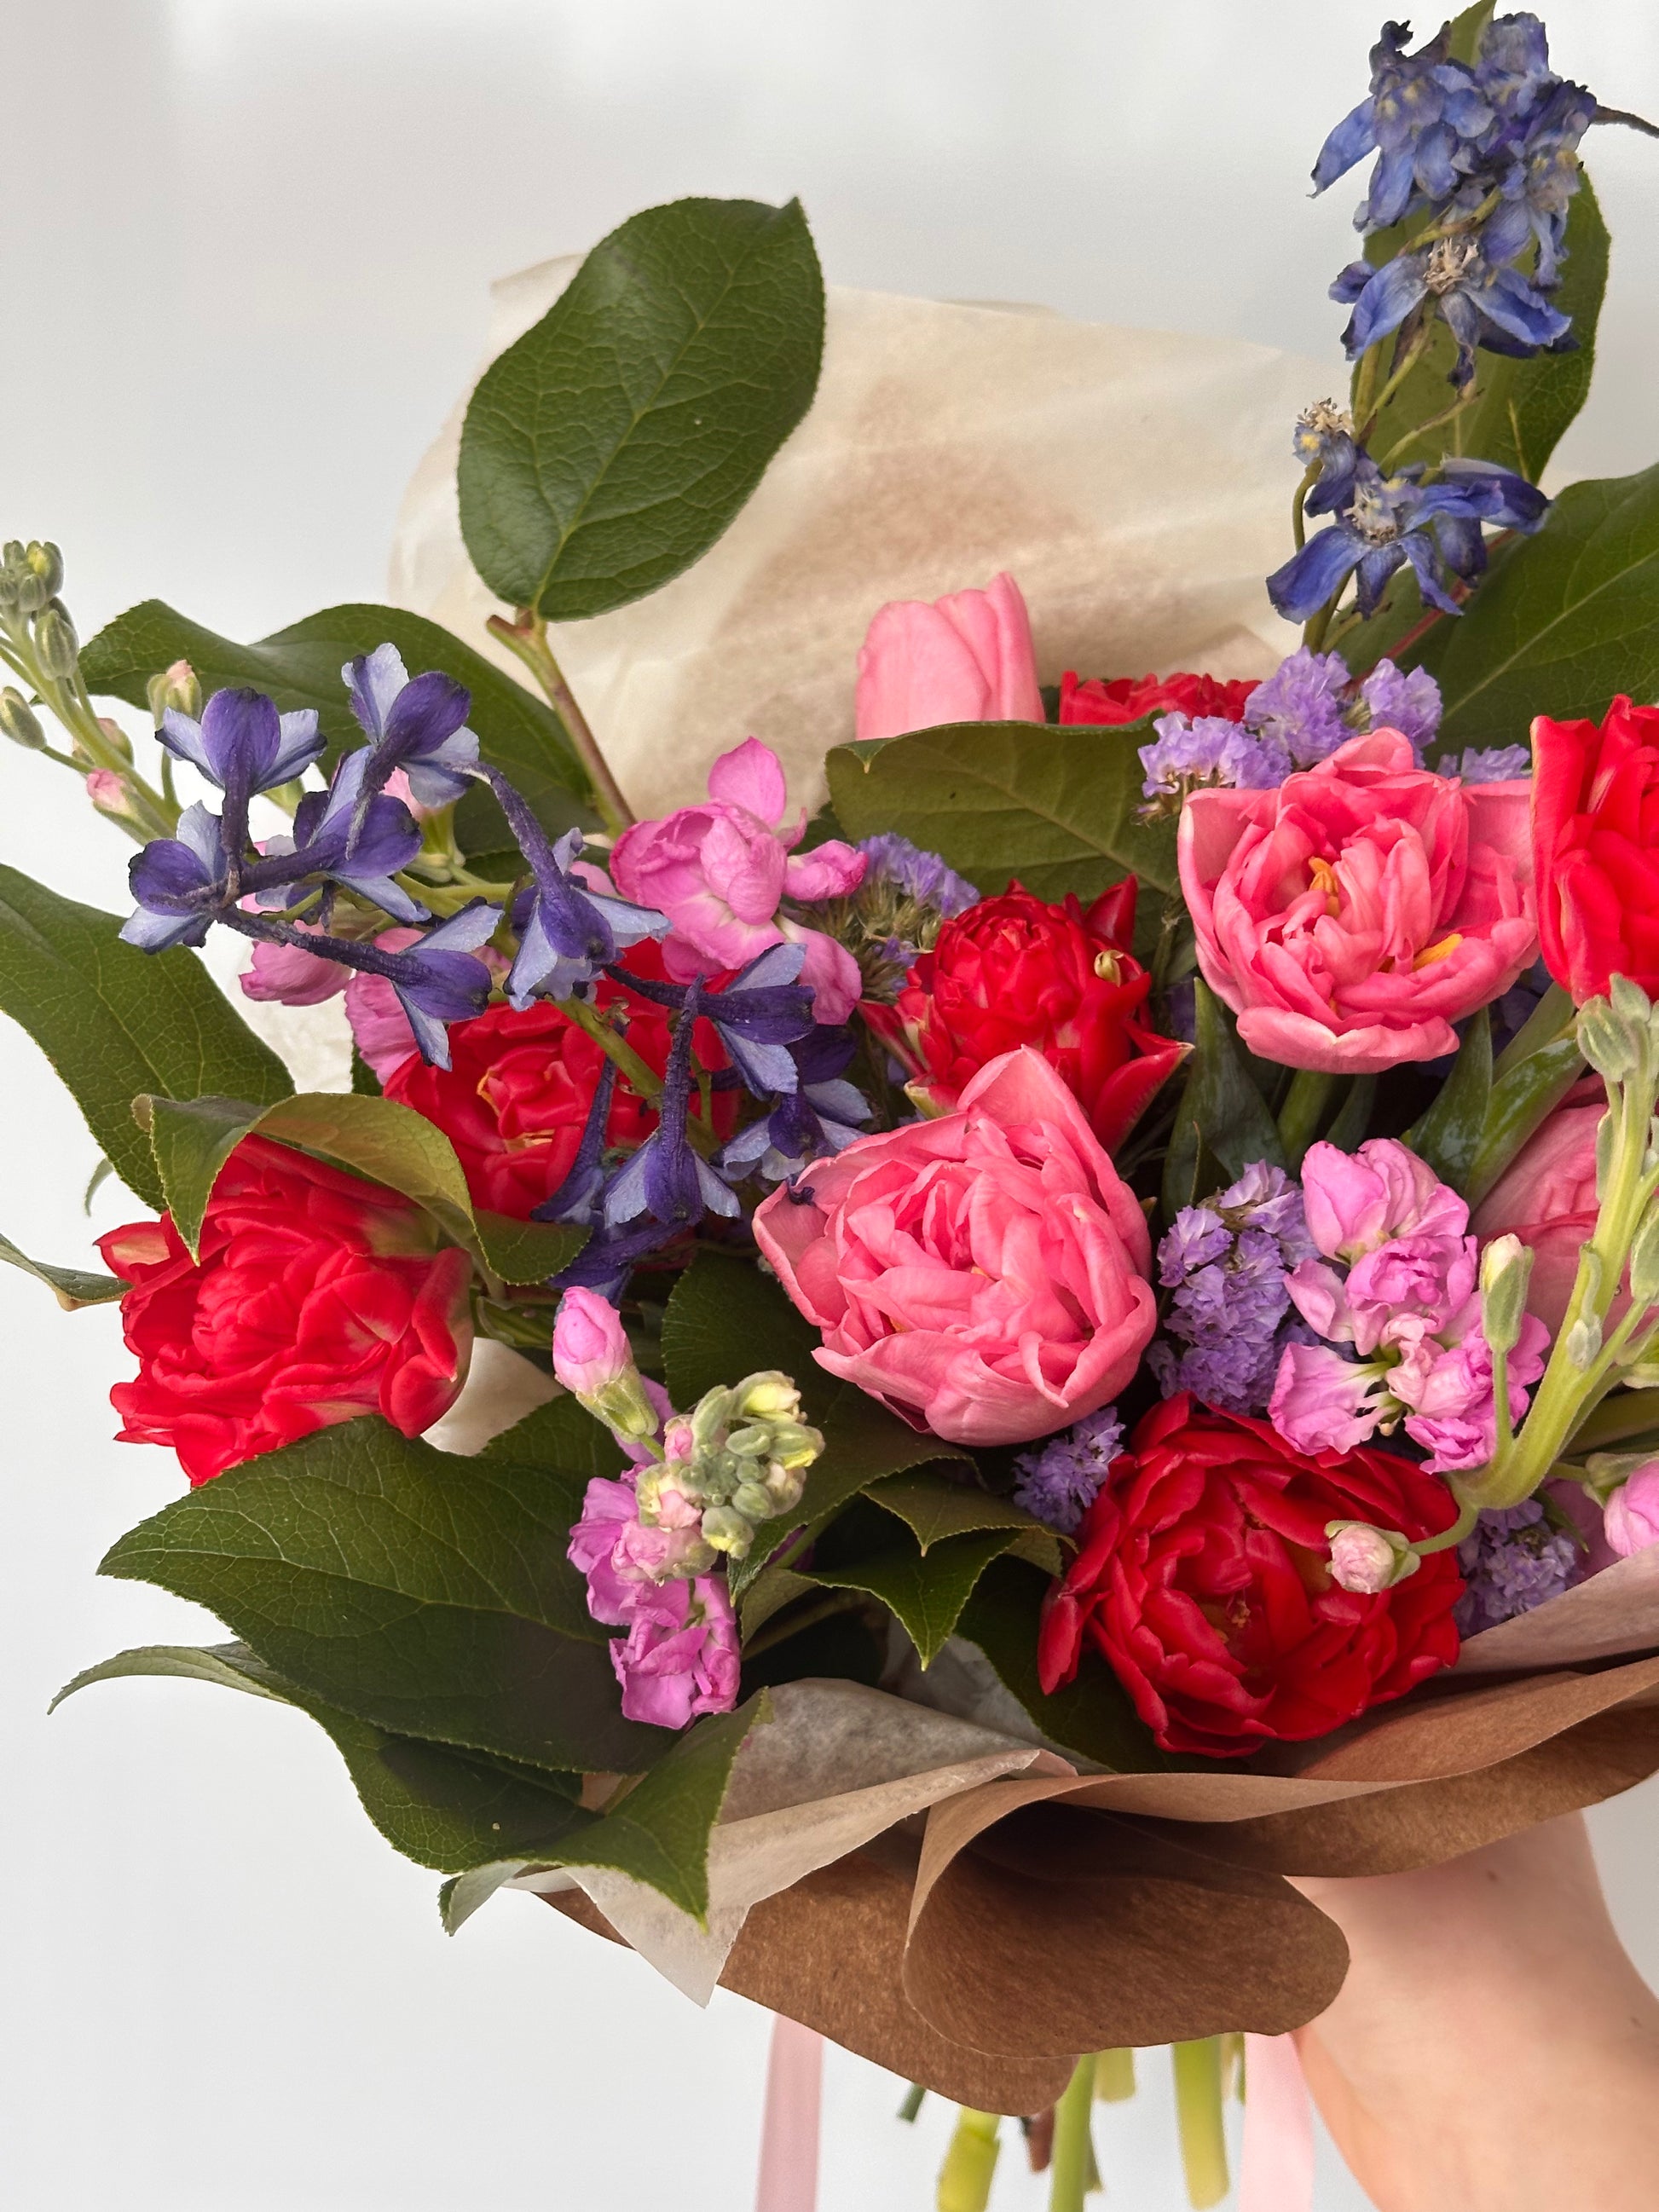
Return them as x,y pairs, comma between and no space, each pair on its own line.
615,1047
1198,2109
1304,1110
1115,2076
527,638
964,2179
1073,2154
1298,501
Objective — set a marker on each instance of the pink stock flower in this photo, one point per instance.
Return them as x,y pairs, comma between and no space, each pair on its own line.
1453,1403
719,872
108,790
290,976
967,658
1630,1519
1547,1197
1350,917
591,1349
1355,1201
680,1656
1321,1402
983,1275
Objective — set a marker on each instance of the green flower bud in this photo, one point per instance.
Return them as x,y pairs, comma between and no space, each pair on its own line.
784,1488
176,687
1506,1270
55,640
752,1501
769,1395
727,1531
795,1445
1584,1342
47,563
1644,1261
1605,1041
1630,1002
19,721
752,1442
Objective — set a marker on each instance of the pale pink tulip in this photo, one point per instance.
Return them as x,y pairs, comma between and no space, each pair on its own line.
967,658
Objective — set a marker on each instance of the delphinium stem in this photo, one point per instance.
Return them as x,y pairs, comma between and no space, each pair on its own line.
527,638
1198,2109
1073,2154
964,2179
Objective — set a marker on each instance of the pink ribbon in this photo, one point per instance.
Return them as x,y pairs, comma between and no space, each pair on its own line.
789,2126
1277,2166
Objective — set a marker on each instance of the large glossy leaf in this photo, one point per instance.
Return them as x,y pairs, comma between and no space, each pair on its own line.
457,1812
428,1593
373,1137
932,1507
115,1022
1056,809
726,1320
608,448
1448,1134
72,1287
927,1590
1563,622
560,1434
1092,1714
300,667
1222,1123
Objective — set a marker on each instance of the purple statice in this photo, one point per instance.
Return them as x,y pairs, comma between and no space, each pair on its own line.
1490,764
1225,1262
1302,708
916,874
1406,700
1188,754
1513,1560
1060,1480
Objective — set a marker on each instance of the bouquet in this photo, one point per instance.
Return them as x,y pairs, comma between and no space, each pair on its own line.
1055,1341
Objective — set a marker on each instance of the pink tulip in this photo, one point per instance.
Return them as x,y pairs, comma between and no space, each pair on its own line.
1547,1197
983,1275
291,977
1630,1520
719,872
967,658
1352,916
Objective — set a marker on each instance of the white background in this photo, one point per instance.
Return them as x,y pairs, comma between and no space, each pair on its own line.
243,266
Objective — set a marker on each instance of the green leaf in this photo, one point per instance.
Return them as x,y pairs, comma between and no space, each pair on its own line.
560,1434
726,1320
115,1022
373,1137
1448,1134
1057,809
300,667
928,1591
426,1594
1563,622
932,1506
445,1809
1093,1714
1222,1116
72,1287
613,444
1538,1068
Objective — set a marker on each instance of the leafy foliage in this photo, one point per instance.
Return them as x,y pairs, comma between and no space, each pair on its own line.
72,1287
925,1591
726,1320
614,443
1056,809
1222,1121
115,1022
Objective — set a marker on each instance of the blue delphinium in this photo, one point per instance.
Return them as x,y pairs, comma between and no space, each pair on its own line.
1225,1262
415,723
1060,1478
567,932
819,1116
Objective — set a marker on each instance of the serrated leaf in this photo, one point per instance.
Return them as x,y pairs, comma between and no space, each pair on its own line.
726,1320
927,1592
1055,809
1222,1116
72,1287
610,446
373,1137
115,1022
932,1506
300,667
1093,1714
1448,1135
426,1594
560,1434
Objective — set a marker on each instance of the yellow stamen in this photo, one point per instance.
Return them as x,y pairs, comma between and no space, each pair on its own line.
1109,965
1324,879
1431,953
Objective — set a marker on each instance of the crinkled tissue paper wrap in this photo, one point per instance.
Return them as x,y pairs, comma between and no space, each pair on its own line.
920,1877
930,1884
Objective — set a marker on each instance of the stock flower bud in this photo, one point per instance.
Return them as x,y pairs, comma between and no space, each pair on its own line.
1584,1342
47,563
108,792
176,687
55,640
752,1501
1629,1518
727,1530
768,1396
19,721
1368,1560
593,1359
1505,1272
1605,1041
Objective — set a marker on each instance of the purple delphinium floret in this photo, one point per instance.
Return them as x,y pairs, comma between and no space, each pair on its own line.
921,875
1226,1261
1060,1480
1513,1561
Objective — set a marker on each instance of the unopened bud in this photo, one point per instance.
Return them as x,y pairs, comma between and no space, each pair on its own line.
752,1501
1629,1001
19,721
55,640
1505,1271
727,1530
1368,1560
768,1396
1644,1261
176,687
47,563
109,793
1605,1041
1584,1342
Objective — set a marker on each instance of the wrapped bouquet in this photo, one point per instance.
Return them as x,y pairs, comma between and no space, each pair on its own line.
1054,1342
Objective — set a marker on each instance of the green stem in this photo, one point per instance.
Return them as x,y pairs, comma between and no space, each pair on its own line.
1198,2108
1423,430
913,2097
1298,501
1408,361
644,1080
1072,2152
964,2179
1304,1110
527,637
1115,2076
